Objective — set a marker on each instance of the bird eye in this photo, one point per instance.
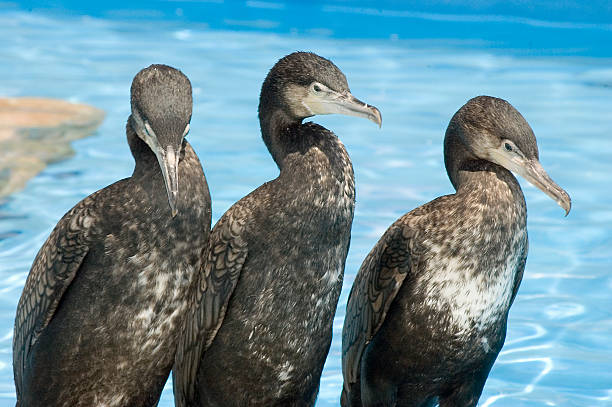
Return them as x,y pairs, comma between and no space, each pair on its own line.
148,129
508,147
316,88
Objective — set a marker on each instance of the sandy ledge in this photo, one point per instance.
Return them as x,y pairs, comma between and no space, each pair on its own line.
37,131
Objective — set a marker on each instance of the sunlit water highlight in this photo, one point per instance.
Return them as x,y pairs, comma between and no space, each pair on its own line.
558,350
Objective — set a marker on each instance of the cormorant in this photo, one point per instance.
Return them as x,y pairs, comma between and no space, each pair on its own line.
262,325
427,313
99,317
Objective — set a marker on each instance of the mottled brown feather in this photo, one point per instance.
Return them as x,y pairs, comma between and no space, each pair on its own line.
378,281
226,254
54,268
519,272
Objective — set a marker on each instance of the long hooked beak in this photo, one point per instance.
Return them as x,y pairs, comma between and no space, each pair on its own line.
168,160
347,104
533,172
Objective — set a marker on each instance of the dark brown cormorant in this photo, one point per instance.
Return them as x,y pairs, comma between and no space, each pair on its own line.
270,284
427,313
98,321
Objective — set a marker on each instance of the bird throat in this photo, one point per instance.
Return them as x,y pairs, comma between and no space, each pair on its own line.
276,126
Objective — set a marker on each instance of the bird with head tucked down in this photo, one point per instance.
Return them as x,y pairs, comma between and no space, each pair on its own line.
101,310
262,320
427,314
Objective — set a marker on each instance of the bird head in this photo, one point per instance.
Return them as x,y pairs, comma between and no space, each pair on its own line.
161,112
493,130
304,84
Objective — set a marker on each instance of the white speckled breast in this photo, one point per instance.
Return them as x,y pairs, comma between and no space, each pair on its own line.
473,262
469,298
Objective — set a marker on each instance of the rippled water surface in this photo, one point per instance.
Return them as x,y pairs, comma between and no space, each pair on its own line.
558,350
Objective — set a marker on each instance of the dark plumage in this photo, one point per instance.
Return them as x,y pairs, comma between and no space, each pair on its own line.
268,291
427,313
99,317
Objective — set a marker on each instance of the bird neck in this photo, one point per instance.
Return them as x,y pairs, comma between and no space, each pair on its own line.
276,128
144,157
456,157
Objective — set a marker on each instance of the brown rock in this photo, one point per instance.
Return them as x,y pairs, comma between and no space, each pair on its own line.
38,131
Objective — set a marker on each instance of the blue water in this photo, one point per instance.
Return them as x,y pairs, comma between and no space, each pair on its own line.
418,64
